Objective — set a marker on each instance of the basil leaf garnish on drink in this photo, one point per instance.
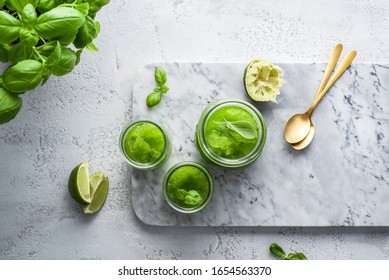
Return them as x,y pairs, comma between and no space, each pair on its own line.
242,131
192,197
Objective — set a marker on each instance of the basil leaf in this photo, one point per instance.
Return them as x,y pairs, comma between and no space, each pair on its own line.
277,251
193,198
9,5
242,130
153,99
59,22
9,28
67,40
29,16
160,76
46,5
4,53
82,8
47,49
296,256
46,75
19,5
164,89
97,24
2,3
78,55
86,33
23,76
29,37
92,47
96,5
55,56
20,52
10,105
66,63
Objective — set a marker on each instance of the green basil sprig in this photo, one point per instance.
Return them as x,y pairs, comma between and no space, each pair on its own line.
155,97
277,251
34,38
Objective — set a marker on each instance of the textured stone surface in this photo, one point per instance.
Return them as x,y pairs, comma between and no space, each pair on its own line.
78,117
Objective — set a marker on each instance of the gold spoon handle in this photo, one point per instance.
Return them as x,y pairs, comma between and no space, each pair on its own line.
339,71
330,67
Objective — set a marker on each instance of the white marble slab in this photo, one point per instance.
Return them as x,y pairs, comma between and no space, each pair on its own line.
342,179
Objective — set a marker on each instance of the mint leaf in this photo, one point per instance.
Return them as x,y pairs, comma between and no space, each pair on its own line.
242,131
160,75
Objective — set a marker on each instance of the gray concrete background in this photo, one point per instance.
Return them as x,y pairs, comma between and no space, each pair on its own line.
79,117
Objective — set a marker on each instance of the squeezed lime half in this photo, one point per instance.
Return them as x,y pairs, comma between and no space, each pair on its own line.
262,80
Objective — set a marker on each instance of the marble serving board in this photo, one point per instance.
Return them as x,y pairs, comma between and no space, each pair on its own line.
341,179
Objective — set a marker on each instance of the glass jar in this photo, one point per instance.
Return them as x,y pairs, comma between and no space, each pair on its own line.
188,187
145,144
231,133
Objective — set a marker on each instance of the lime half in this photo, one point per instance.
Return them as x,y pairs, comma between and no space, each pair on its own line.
79,183
99,193
262,80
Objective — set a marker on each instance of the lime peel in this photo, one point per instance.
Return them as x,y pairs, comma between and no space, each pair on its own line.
263,80
79,183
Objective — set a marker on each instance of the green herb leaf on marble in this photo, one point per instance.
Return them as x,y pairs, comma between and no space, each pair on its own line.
277,251
160,75
155,97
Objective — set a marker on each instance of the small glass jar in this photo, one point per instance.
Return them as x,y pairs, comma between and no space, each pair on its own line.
188,187
150,130
210,155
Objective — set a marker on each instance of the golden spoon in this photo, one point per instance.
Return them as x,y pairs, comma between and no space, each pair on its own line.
330,67
298,126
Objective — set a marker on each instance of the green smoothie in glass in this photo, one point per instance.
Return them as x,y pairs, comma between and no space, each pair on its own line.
145,144
230,133
188,187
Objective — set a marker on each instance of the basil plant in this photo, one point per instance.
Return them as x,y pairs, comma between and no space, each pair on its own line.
39,38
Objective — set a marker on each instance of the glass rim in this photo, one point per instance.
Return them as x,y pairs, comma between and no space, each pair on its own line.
210,186
134,163
257,149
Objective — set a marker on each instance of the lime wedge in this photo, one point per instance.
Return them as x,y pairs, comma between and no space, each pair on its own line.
99,195
95,180
262,80
79,183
